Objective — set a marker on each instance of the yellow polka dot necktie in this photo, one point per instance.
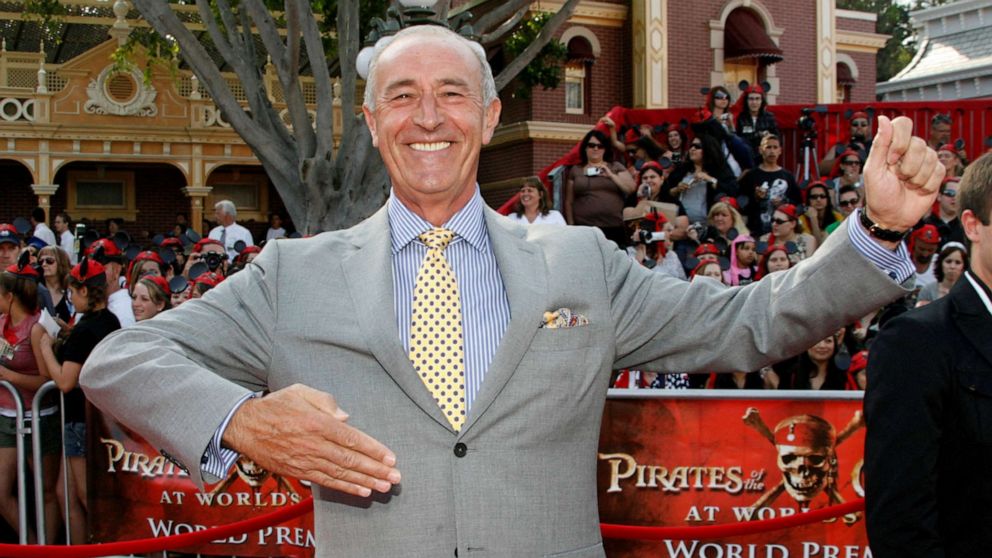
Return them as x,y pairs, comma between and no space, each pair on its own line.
436,343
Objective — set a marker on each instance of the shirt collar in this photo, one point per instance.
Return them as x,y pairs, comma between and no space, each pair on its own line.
468,223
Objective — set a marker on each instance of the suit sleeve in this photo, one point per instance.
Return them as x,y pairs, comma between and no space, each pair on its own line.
175,378
668,325
904,408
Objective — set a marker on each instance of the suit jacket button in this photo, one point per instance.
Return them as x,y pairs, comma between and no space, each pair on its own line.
460,449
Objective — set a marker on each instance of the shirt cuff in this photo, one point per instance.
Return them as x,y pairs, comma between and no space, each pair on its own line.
894,263
217,461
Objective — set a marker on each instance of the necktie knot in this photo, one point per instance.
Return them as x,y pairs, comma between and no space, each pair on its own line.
437,239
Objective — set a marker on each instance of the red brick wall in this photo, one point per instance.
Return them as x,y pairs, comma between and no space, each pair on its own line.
844,24
864,90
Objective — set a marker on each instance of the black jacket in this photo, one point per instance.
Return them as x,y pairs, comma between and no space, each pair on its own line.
928,451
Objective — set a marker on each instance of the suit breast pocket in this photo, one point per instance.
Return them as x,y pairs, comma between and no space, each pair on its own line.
561,339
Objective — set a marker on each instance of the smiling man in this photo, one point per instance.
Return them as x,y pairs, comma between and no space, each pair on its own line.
441,333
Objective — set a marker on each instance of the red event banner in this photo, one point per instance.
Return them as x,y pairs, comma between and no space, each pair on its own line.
710,458
136,493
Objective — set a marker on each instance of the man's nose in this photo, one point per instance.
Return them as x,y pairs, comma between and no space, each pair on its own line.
428,116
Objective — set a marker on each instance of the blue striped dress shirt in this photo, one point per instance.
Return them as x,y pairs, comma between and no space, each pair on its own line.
485,308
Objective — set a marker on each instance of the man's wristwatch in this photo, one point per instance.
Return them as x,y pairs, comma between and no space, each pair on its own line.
878,232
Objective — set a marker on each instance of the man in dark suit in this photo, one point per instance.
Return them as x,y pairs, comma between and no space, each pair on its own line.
928,453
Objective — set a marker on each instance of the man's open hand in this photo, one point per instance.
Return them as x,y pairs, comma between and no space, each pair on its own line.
902,175
301,432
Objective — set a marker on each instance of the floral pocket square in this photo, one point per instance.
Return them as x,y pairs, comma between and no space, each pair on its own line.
562,318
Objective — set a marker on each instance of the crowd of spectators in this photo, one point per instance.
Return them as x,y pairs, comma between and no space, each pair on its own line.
720,212
53,312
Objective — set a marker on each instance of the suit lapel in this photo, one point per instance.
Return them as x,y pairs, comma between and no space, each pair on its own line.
972,317
369,274
522,268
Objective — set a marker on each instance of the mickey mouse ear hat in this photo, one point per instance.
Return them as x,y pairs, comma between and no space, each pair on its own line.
23,267
89,272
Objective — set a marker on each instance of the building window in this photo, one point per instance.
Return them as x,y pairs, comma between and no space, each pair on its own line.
575,88
245,196
247,187
101,194
578,71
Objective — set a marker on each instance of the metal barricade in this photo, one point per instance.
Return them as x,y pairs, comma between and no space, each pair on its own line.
39,485
22,505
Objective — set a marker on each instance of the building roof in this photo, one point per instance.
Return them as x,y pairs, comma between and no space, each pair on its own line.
950,54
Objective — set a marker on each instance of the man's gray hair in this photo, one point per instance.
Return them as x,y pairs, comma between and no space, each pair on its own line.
441,33
227,207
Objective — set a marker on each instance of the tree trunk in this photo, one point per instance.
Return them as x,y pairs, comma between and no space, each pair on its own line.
321,189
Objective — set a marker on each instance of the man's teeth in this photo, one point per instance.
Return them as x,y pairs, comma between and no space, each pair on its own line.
436,146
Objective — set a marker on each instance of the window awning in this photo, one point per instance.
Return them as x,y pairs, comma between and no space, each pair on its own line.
744,37
844,76
579,50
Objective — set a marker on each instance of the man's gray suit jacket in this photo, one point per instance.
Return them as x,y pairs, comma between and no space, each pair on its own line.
520,478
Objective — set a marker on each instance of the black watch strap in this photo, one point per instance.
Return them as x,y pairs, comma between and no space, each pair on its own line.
880,233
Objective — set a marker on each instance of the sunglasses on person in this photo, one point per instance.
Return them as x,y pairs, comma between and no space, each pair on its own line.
817,196
594,145
781,221
695,146
860,123
950,193
720,95
47,261
851,162
851,203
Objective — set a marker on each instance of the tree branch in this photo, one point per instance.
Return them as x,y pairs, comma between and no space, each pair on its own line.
497,34
322,80
532,50
496,17
348,43
164,21
286,59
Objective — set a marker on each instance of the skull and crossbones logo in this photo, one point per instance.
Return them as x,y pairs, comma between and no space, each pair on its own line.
807,457
254,476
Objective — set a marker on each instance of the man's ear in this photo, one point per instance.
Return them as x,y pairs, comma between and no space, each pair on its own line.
970,223
370,122
492,120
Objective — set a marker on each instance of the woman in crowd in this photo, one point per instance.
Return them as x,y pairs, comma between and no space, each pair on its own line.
846,172
650,180
144,264
951,264
22,363
677,141
774,258
722,219
949,158
55,270
814,369
786,228
754,120
646,246
700,181
743,262
718,103
150,296
88,289
820,212
595,189
67,242
708,268
533,206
